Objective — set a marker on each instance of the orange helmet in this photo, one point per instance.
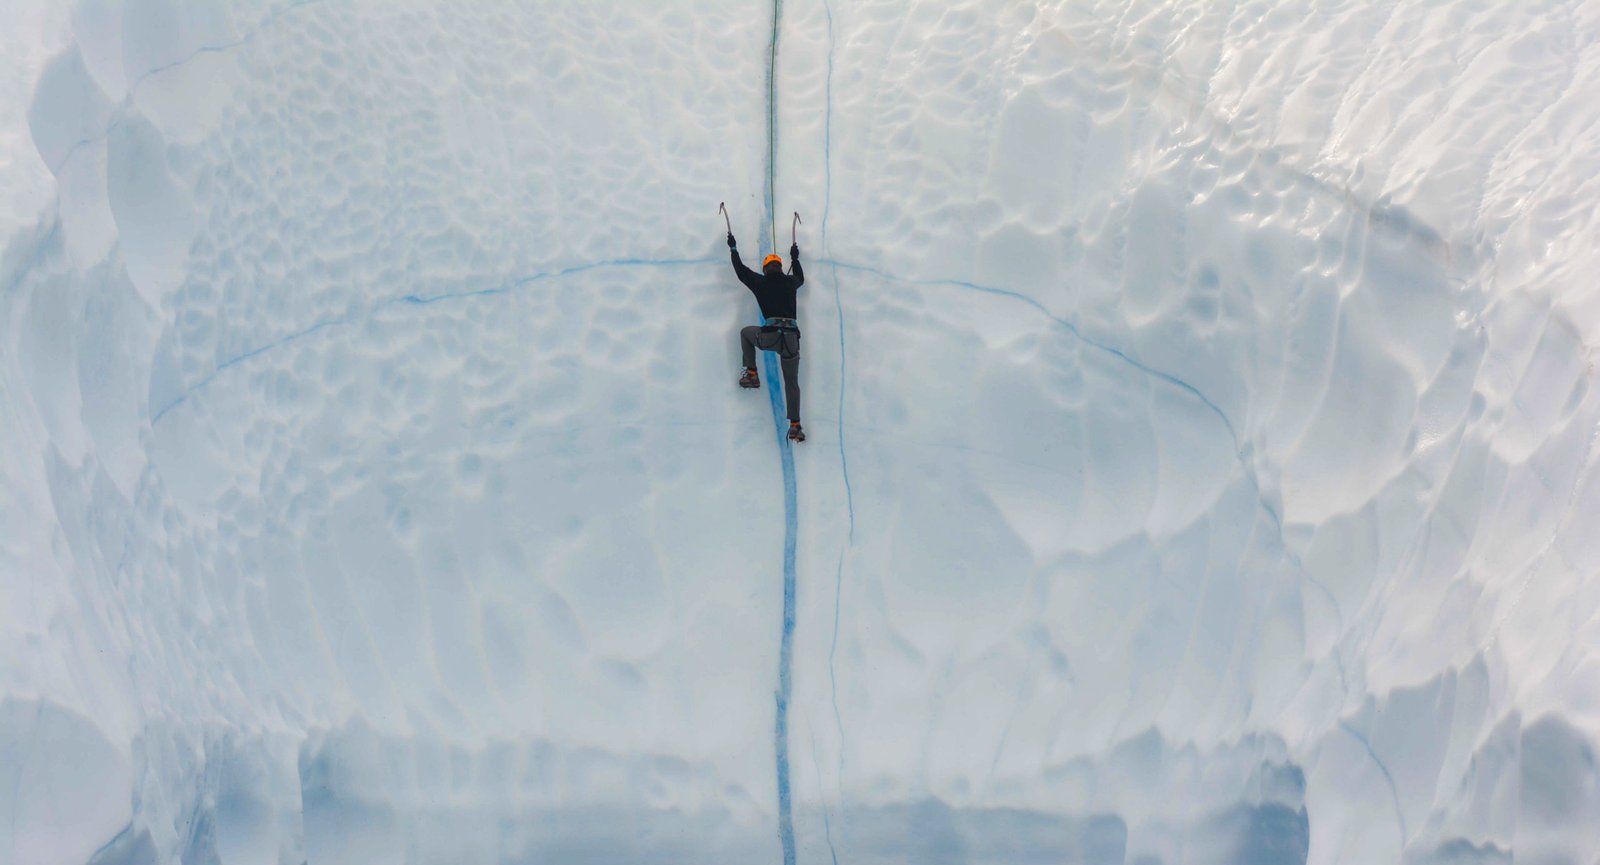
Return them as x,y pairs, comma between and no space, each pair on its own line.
771,260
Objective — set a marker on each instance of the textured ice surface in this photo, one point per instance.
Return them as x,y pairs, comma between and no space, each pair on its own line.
1200,399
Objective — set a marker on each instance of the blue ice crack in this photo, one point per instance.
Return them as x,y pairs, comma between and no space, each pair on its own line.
1157,374
1394,789
133,88
1123,357
1066,324
786,455
416,300
844,459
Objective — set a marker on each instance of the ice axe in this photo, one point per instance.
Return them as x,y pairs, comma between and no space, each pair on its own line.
722,208
792,225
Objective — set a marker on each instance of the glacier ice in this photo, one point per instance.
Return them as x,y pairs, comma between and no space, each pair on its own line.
1201,414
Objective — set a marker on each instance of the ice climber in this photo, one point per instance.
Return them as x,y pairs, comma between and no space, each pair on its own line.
775,292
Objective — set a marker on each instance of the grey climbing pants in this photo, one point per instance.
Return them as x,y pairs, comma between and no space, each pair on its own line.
786,343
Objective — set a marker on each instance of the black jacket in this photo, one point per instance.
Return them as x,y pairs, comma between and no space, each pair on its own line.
775,292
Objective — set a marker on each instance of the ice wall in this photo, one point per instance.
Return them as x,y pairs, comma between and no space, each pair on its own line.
1200,407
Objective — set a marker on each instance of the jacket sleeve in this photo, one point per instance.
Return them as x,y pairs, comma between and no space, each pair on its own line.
798,273
746,275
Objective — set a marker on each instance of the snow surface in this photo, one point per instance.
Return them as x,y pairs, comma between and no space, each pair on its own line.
1200,399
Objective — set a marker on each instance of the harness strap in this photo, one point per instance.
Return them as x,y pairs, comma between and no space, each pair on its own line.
788,331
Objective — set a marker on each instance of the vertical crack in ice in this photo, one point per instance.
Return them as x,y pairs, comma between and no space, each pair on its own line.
786,455
1022,695
1394,790
844,459
50,242
32,727
827,820
838,303
1536,563
772,128
786,646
